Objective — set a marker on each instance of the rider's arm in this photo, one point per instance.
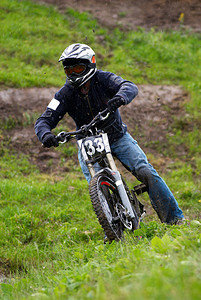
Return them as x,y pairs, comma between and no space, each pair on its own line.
55,111
117,86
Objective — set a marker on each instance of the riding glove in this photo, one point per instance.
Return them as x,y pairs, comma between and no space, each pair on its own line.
115,103
50,140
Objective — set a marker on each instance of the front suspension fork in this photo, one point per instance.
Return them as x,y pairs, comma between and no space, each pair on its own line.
122,193
118,182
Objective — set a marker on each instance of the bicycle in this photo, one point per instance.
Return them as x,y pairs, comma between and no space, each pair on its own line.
117,208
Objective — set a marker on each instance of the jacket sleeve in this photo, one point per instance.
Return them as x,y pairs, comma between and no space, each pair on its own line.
55,111
118,86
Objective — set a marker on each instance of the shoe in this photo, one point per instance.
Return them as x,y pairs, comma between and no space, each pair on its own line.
180,222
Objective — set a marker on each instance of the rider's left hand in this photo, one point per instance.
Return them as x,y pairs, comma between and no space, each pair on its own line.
115,103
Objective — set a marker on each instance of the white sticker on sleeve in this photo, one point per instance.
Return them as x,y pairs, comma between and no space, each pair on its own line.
54,103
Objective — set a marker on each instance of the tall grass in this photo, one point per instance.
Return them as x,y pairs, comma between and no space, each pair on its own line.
52,247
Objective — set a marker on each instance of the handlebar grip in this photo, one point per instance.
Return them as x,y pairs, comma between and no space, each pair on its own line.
59,139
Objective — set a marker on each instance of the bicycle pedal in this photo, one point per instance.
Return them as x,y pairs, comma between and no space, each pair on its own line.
140,188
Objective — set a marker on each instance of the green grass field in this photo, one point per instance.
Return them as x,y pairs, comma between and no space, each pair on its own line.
51,245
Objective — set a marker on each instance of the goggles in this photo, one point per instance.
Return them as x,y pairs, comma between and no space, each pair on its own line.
77,69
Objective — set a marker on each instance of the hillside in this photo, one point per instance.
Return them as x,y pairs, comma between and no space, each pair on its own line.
147,117
51,244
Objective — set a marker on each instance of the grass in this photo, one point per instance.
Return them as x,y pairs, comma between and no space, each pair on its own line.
51,245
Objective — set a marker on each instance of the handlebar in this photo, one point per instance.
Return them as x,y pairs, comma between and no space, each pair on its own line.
64,137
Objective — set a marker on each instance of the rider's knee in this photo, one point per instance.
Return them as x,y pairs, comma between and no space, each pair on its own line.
144,173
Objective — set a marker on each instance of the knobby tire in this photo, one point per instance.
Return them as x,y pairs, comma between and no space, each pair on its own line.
103,191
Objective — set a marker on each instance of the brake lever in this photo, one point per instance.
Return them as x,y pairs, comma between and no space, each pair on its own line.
63,137
102,118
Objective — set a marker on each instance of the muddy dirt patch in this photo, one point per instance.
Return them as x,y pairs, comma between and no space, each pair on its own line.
130,14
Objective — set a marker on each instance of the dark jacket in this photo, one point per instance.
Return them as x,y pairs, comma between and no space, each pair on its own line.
83,108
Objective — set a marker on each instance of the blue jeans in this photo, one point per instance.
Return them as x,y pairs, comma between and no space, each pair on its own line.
128,152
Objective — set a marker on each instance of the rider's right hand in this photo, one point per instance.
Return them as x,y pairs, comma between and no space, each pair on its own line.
49,140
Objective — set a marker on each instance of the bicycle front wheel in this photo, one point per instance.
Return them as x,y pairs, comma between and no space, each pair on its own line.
105,200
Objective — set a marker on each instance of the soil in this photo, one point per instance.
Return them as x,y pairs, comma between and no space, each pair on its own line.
149,117
130,14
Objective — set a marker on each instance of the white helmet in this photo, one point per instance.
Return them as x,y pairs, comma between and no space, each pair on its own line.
79,63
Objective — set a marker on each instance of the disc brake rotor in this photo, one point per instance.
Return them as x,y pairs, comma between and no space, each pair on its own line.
123,215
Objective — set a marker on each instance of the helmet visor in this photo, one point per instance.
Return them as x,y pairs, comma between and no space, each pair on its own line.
76,69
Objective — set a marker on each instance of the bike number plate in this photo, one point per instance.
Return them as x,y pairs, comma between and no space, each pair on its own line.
93,146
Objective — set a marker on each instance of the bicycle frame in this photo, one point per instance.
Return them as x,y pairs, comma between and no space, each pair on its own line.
95,148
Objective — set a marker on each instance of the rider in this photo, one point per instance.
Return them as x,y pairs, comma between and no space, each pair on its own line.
88,91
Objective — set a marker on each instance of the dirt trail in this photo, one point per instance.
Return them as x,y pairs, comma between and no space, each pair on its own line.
130,14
